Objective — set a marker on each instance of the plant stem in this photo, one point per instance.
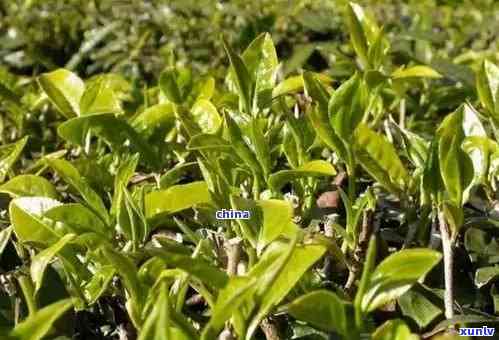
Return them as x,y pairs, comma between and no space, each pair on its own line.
360,251
351,184
270,329
402,113
448,266
233,248
28,292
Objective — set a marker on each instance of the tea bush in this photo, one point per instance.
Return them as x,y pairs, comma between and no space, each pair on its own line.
362,170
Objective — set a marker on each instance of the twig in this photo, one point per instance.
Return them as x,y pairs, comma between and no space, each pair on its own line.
360,251
233,249
448,265
270,330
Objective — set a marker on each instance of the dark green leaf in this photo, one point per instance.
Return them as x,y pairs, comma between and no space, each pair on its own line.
321,309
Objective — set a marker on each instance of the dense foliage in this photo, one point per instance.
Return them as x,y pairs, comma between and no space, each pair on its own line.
367,156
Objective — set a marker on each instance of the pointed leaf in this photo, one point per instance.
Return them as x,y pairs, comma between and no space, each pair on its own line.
419,71
114,131
242,77
487,84
71,176
64,90
379,158
99,97
26,218
9,154
311,169
205,114
176,198
396,274
155,122
283,279
277,220
321,309
40,262
29,185
36,326
394,330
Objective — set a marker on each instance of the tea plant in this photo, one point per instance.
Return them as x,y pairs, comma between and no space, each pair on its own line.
371,199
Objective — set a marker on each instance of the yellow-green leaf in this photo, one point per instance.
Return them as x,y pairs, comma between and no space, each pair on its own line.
64,90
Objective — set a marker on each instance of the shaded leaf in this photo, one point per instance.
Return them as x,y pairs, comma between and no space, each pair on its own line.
71,176
487,84
322,309
9,154
394,330
116,132
43,258
36,326
311,169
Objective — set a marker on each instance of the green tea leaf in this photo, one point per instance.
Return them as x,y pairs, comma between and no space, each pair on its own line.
197,267
128,273
176,198
64,90
316,91
230,298
260,145
487,84
71,176
396,274
260,58
205,114
122,177
419,71
99,283
158,324
379,158
26,218
346,107
240,147
282,278
8,156
456,167
311,169
321,309
415,147
29,185
4,238
116,132
78,218
243,79
394,330
36,326
356,24
416,306
484,275
169,87
40,262
155,122
205,141
276,221
99,97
